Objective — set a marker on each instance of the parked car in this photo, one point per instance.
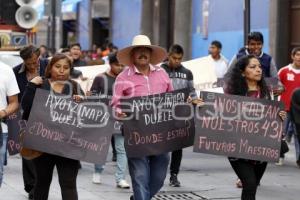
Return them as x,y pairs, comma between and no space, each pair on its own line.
10,58
3,64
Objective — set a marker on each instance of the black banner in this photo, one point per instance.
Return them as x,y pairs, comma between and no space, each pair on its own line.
60,126
158,123
238,126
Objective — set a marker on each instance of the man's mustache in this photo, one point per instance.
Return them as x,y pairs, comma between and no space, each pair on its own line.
142,56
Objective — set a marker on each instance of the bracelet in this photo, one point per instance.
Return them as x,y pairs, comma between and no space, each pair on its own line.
5,113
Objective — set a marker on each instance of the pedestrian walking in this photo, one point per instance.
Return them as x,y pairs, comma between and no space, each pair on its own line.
57,79
290,78
8,105
246,79
142,78
33,65
103,86
181,77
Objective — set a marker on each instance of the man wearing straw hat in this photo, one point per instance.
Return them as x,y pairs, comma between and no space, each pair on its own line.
142,78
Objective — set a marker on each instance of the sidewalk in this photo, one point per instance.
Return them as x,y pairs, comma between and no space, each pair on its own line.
202,176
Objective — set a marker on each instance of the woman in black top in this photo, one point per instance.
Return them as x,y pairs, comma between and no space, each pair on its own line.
57,79
246,79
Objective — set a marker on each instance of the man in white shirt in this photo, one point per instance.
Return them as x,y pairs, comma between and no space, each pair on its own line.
220,62
8,104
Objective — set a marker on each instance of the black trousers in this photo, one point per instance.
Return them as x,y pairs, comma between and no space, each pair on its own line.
175,161
113,146
29,174
298,137
250,174
67,170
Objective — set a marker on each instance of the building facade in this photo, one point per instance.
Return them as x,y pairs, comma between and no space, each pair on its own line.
190,23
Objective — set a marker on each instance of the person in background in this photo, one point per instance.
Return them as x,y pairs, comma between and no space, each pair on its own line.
44,51
67,52
246,79
8,105
181,78
105,50
97,53
75,73
103,85
295,117
290,78
113,49
220,62
57,79
255,41
75,51
31,67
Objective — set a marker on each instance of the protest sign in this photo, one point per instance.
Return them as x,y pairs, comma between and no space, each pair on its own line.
158,123
203,70
239,126
89,73
15,125
60,126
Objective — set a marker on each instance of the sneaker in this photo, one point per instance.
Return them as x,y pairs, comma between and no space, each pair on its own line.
238,183
280,162
96,178
114,158
174,181
123,184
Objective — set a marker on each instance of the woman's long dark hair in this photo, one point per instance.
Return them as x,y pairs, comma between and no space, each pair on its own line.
236,84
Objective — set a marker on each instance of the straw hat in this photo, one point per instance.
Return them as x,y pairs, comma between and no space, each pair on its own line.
157,56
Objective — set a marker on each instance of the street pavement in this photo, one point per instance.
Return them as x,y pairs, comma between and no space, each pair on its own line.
202,176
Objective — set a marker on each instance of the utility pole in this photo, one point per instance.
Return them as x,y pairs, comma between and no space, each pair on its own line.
247,21
53,24
48,31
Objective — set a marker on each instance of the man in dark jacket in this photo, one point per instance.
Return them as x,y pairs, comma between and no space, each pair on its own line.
31,67
181,78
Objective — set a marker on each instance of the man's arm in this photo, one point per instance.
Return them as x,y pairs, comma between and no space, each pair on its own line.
12,106
12,91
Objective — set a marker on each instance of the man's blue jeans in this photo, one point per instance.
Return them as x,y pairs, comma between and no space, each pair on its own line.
290,130
121,159
148,175
99,168
2,155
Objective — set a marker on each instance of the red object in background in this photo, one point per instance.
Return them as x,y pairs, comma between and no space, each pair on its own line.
11,27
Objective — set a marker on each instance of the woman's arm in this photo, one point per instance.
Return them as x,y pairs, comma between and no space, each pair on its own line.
28,96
